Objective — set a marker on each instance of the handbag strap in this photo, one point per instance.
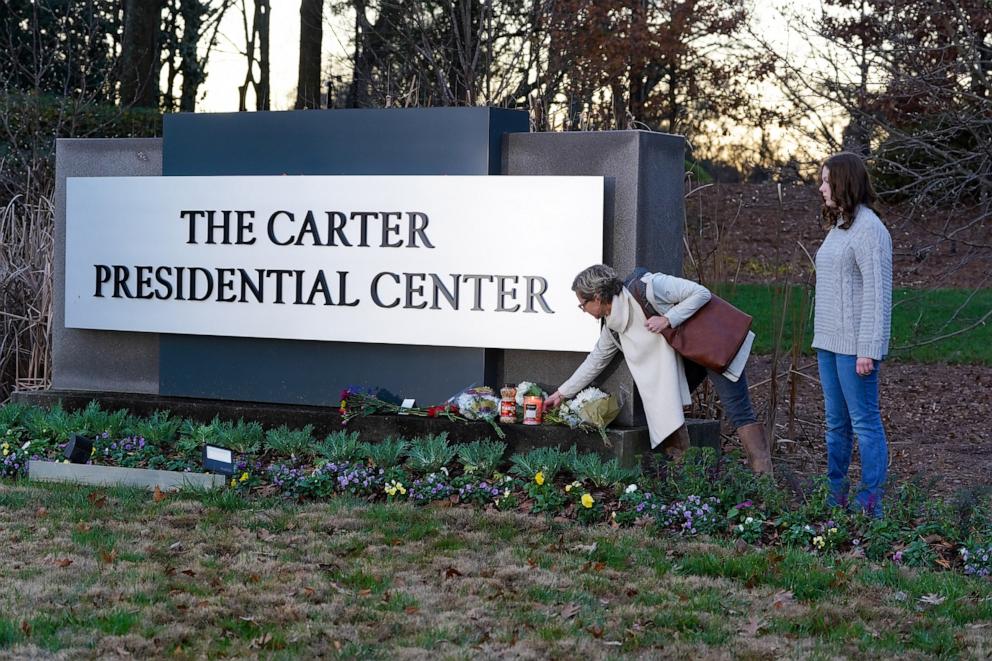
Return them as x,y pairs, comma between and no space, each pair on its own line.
638,289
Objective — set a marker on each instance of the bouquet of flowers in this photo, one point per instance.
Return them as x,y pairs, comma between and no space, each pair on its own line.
357,401
479,403
591,407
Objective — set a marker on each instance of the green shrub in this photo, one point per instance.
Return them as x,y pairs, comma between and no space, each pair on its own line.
340,446
431,453
12,415
242,437
290,442
549,460
590,466
160,428
387,453
481,457
94,421
694,475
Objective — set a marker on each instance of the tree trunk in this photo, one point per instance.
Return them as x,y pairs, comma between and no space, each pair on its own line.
311,34
189,62
262,87
139,62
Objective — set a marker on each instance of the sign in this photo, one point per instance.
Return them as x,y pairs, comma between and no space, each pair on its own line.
422,260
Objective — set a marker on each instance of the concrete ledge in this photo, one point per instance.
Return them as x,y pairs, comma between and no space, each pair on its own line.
627,442
48,471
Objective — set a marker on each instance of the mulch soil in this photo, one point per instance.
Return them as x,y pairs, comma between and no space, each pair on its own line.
937,417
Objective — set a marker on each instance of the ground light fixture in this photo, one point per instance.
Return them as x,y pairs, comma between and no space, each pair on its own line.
78,449
218,460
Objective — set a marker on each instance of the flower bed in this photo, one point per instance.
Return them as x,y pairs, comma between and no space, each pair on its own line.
699,496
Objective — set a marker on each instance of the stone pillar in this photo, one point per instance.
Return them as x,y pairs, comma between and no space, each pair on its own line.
93,359
643,219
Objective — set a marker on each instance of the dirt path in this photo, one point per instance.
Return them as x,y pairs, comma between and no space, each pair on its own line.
937,419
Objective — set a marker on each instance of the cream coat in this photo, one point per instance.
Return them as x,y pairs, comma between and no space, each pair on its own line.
656,368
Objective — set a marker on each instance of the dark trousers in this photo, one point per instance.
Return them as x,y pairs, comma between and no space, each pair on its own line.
734,396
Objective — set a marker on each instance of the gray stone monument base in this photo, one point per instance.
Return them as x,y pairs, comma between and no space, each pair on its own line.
625,443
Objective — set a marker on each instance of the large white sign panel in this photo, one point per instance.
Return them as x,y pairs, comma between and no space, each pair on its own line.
449,261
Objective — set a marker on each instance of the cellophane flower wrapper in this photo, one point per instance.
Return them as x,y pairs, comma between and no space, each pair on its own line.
591,407
596,407
477,403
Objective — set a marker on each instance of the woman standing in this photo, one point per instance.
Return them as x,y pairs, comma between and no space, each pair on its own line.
851,327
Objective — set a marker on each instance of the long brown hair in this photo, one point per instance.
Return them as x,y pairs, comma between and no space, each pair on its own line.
849,187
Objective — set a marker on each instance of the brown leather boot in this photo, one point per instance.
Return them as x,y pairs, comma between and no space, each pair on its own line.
759,456
676,444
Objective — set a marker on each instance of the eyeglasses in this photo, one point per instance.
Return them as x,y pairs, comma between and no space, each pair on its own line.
582,305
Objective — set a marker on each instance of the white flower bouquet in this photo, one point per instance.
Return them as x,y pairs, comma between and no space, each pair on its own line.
591,407
479,403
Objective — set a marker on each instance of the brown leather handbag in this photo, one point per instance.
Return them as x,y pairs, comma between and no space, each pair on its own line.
711,337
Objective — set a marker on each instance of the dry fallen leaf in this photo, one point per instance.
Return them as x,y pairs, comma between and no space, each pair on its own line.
570,611
365,592
261,641
410,610
108,557
158,495
782,598
97,499
63,562
83,527
753,626
932,599
585,548
41,512
26,628
451,572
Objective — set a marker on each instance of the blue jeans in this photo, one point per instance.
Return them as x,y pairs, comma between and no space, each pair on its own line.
851,403
734,395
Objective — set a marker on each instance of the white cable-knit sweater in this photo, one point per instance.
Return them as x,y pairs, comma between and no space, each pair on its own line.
854,289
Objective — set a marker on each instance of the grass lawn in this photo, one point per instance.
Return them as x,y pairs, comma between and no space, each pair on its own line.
97,572
917,315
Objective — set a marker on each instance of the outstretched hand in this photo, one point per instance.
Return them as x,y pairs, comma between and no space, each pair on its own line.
553,400
657,323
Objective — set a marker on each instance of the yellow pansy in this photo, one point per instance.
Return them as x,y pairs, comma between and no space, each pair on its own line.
244,477
539,478
587,500
234,482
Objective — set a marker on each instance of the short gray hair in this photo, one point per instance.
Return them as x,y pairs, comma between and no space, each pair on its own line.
597,282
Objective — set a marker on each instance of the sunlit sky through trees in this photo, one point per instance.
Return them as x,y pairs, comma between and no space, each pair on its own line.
226,71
